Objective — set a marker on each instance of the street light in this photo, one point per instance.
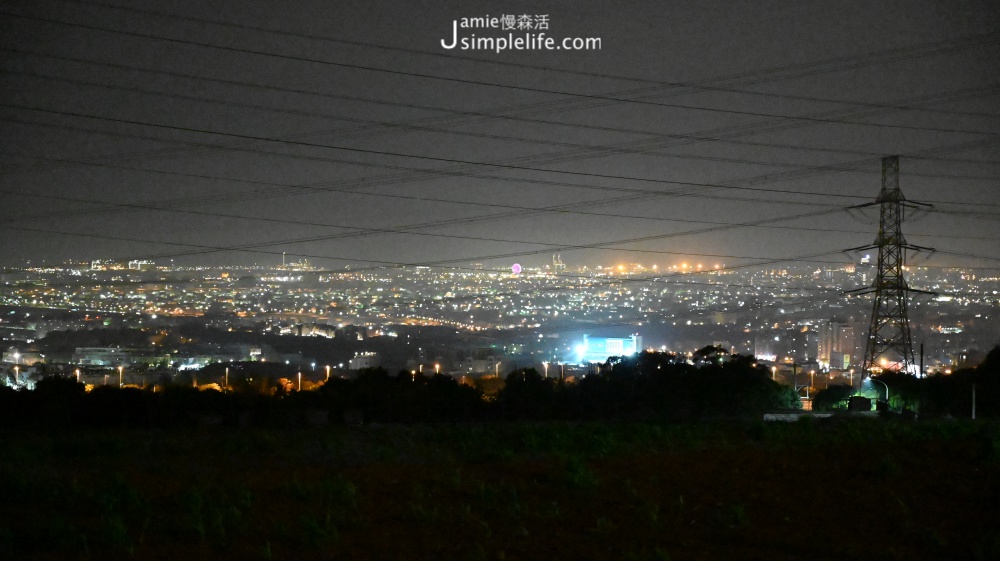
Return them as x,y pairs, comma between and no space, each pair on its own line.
227,379
77,372
300,381
327,372
886,388
121,370
17,379
437,368
498,369
774,371
545,365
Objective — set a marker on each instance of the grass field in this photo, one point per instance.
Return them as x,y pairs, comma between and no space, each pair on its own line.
865,489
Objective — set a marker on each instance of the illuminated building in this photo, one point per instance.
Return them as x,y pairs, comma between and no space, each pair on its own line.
598,349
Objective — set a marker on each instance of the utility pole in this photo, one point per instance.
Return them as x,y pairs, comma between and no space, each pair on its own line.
973,402
888,345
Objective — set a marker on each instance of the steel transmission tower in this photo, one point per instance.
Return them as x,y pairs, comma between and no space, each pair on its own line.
888,345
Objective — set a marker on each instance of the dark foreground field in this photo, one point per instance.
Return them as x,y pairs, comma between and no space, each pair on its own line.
843,490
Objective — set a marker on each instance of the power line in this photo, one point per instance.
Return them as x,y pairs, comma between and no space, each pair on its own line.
492,84
547,170
608,282
413,156
501,116
162,205
254,248
745,130
491,136
772,177
296,240
702,85
365,229
446,160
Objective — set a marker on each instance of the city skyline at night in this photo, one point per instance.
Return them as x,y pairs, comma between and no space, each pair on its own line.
472,280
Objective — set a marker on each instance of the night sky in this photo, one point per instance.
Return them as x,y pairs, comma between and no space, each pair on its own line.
214,132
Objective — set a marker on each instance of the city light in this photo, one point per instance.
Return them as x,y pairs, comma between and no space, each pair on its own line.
367,310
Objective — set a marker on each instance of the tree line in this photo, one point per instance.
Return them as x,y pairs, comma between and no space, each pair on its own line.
648,386
941,395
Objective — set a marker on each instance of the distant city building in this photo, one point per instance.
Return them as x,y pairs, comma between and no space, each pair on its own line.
557,264
364,360
301,265
598,349
100,356
107,265
309,330
24,358
759,311
481,361
836,338
839,360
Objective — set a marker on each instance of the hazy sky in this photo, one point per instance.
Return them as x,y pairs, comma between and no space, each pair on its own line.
229,132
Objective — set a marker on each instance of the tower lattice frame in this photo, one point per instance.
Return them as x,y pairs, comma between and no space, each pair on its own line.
889,345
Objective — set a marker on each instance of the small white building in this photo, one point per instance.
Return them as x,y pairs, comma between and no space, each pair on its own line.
100,356
364,360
